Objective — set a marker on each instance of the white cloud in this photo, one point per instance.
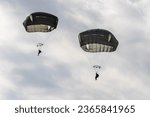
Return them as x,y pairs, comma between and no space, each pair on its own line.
63,70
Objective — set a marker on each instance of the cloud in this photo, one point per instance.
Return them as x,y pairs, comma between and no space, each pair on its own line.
64,70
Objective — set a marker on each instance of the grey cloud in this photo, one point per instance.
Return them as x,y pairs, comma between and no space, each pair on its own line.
62,72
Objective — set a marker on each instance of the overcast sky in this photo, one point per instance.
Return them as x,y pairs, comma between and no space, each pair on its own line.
64,70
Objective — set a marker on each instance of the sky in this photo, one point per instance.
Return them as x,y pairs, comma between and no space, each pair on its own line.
64,71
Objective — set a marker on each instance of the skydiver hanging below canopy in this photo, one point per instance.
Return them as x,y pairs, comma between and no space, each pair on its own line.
39,52
96,68
39,45
96,76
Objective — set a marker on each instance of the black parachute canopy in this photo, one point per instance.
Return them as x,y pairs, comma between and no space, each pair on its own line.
40,22
97,40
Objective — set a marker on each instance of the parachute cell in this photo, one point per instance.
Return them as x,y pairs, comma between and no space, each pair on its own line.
97,40
40,22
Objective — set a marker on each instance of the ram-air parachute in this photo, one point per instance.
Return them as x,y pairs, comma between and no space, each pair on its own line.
97,40
40,22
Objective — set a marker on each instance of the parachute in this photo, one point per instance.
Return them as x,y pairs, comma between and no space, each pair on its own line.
40,22
97,40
